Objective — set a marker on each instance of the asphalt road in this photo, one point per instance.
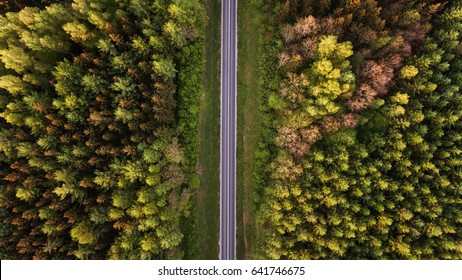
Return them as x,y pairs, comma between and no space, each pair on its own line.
228,130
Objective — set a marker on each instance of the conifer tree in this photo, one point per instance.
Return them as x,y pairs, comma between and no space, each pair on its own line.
92,165
381,182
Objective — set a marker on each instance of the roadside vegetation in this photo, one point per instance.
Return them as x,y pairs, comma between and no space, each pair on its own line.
360,142
250,27
208,194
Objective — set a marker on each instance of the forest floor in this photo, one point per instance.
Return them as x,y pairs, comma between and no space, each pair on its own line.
249,20
208,196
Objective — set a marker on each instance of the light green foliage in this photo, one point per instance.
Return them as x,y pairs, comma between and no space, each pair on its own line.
173,32
408,71
15,58
315,92
330,75
78,31
164,68
12,84
83,233
309,102
25,193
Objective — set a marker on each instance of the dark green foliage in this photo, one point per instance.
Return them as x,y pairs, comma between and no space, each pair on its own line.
94,161
292,9
16,5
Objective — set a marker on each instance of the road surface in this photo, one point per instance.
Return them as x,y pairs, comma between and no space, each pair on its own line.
228,130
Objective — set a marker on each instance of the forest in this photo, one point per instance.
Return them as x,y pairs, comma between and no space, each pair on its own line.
361,109
99,128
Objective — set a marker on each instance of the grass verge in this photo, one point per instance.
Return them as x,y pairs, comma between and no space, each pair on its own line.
208,195
249,20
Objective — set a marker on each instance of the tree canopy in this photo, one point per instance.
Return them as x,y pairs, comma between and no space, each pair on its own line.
365,158
97,145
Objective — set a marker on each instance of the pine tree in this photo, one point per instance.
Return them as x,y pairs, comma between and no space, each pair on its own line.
89,150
